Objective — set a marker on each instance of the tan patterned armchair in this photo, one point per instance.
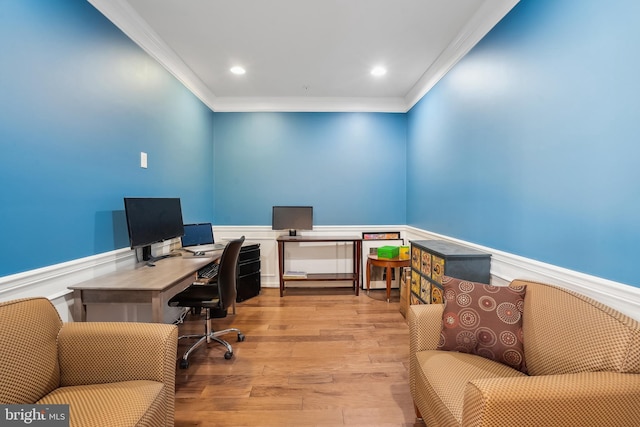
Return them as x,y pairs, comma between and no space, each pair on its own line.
111,374
583,361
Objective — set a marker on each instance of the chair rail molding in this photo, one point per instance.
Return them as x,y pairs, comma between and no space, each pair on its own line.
52,281
506,267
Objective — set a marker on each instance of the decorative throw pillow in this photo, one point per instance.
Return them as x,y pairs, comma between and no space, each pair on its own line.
485,320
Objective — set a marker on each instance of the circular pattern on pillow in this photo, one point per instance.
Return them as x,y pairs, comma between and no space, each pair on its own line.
486,337
486,302
463,300
469,318
508,313
466,341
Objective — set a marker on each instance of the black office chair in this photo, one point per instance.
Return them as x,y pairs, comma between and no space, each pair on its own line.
215,298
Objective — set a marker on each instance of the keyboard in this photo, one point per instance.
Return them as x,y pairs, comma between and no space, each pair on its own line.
209,272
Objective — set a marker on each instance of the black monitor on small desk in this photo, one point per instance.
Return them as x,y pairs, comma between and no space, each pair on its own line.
292,218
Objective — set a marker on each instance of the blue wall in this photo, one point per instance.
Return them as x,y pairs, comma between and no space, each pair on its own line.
349,166
79,101
530,144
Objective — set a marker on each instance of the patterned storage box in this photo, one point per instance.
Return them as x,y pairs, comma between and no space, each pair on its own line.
431,260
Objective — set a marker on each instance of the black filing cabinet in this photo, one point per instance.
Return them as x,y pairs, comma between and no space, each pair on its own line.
432,259
248,271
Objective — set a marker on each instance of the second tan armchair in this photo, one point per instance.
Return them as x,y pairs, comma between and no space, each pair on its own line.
583,361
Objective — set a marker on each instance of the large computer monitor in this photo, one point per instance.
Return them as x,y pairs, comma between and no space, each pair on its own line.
151,220
292,218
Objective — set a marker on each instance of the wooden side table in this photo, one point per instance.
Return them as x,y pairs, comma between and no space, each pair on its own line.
388,263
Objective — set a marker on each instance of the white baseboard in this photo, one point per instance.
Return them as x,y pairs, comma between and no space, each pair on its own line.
52,281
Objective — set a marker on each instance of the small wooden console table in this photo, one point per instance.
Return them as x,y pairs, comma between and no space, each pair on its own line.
354,276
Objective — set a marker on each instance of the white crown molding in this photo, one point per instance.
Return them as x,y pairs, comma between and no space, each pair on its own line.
310,104
122,15
485,18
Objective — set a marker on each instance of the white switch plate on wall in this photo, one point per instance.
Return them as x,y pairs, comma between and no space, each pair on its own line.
143,159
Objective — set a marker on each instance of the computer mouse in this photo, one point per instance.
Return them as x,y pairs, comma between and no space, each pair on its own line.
199,253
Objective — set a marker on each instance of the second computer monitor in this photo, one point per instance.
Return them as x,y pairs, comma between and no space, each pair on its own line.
292,218
197,234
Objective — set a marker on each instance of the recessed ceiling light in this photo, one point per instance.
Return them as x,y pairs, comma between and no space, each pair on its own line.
379,71
238,70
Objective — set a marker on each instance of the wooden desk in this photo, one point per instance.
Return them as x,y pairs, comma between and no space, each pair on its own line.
354,276
139,285
388,263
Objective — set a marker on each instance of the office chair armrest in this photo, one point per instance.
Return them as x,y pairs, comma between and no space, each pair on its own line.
103,352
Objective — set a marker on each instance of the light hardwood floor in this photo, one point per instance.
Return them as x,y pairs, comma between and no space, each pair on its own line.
317,357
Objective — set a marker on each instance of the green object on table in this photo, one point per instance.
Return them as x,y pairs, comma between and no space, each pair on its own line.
388,251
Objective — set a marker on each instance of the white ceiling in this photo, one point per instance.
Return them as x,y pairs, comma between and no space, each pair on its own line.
306,55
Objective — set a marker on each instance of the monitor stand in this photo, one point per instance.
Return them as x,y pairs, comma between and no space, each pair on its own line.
150,259
146,253
292,232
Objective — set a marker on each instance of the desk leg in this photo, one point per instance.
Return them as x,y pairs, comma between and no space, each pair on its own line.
79,310
389,268
281,266
157,308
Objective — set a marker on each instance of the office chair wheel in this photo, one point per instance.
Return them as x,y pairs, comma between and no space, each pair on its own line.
228,355
184,364
240,337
